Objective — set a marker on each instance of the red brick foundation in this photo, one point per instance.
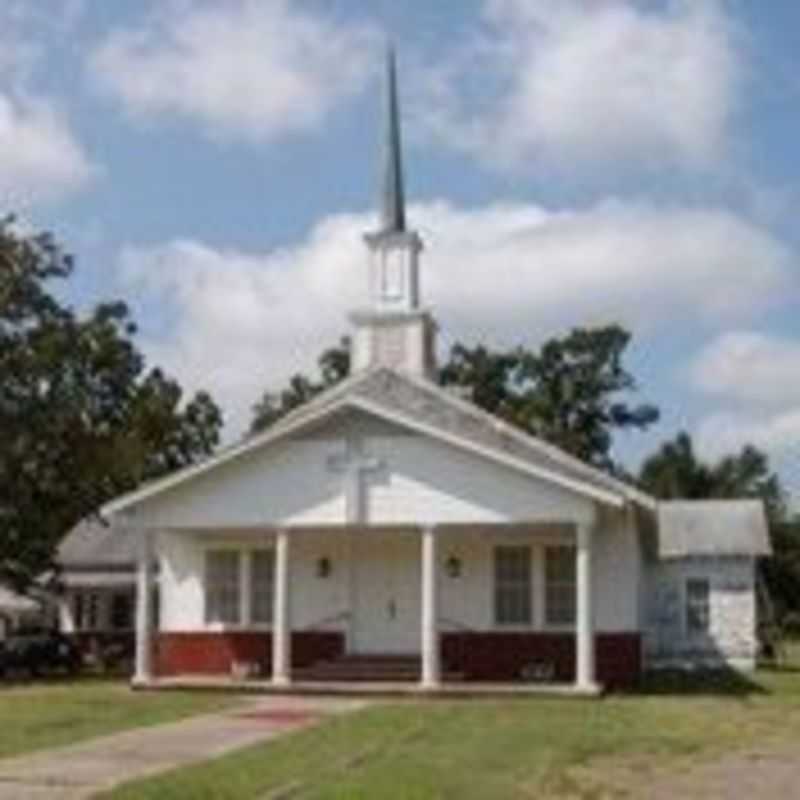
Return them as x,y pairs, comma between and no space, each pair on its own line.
498,656
206,653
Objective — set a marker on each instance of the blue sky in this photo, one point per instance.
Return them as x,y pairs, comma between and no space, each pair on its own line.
570,162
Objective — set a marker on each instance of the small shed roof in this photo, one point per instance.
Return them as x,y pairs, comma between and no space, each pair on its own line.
712,528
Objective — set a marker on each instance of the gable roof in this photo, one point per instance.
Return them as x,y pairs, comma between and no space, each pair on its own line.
712,528
426,408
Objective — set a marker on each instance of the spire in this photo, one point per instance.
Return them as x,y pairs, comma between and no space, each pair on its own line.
393,205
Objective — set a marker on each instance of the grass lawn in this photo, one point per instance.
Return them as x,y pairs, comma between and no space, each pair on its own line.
521,748
41,715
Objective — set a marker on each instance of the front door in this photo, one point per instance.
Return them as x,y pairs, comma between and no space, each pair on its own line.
387,593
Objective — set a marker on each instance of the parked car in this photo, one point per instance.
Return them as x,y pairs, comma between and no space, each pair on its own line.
39,652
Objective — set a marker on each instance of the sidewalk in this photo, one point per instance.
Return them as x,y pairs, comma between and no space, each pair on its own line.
81,770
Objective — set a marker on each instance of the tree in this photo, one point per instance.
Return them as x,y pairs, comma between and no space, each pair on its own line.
80,419
568,392
674,472
333,366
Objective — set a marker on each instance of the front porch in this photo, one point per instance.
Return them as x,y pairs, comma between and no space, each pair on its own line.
433,607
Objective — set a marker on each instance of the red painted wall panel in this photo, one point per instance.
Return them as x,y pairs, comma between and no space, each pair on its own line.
214,653
498,656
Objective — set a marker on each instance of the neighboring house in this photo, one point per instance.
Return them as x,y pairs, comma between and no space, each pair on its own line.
98,581
19,611
390,529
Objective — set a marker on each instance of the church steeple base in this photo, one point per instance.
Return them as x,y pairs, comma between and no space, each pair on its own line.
403,341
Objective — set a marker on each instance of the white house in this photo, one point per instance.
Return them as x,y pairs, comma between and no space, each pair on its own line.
98,588
390,529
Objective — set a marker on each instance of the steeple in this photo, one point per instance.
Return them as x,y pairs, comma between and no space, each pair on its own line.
393,208
394,331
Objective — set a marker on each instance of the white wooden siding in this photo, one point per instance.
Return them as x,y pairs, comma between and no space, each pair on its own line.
466,601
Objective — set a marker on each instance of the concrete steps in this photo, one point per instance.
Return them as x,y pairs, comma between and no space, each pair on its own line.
367,668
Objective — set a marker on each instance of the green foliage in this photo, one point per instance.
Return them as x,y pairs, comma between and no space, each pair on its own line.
80,419
674,471
334,366
568,392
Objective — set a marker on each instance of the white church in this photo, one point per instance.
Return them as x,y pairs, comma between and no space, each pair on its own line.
391,533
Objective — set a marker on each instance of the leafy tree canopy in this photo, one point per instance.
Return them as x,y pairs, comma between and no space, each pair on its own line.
674,471
81,420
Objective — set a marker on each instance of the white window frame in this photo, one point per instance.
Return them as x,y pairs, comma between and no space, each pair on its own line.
87,608
513,625
245,589
218,624
561,584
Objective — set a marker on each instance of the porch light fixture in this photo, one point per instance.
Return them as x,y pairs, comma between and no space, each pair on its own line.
453,567
323,567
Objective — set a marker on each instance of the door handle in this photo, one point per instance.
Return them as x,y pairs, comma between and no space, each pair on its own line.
392,609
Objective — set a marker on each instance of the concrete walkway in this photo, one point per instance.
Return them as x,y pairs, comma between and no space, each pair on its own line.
81,770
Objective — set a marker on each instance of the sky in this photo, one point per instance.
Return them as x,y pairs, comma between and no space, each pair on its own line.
568,162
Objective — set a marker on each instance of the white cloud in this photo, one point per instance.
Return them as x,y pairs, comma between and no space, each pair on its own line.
240,322
725,432
756,379
753,369
590,81
40,158
244,69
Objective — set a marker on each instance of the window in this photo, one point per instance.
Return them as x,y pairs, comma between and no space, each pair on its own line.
392,275
121,612
86,611
698,614
223,580
262,568
559,579
512,585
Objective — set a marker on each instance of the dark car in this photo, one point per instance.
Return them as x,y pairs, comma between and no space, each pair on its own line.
39,652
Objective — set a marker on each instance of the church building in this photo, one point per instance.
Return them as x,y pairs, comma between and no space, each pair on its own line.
391,532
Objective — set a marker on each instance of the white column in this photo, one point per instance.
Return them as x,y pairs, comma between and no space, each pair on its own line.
584,623
281,623
430,610
144,609
66,612
245,599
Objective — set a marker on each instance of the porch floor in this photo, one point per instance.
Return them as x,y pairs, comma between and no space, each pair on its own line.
369,688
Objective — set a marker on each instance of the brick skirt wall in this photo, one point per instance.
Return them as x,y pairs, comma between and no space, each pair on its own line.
500,656
207,653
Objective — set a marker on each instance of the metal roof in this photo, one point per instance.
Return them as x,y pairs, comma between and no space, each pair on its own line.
712,528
